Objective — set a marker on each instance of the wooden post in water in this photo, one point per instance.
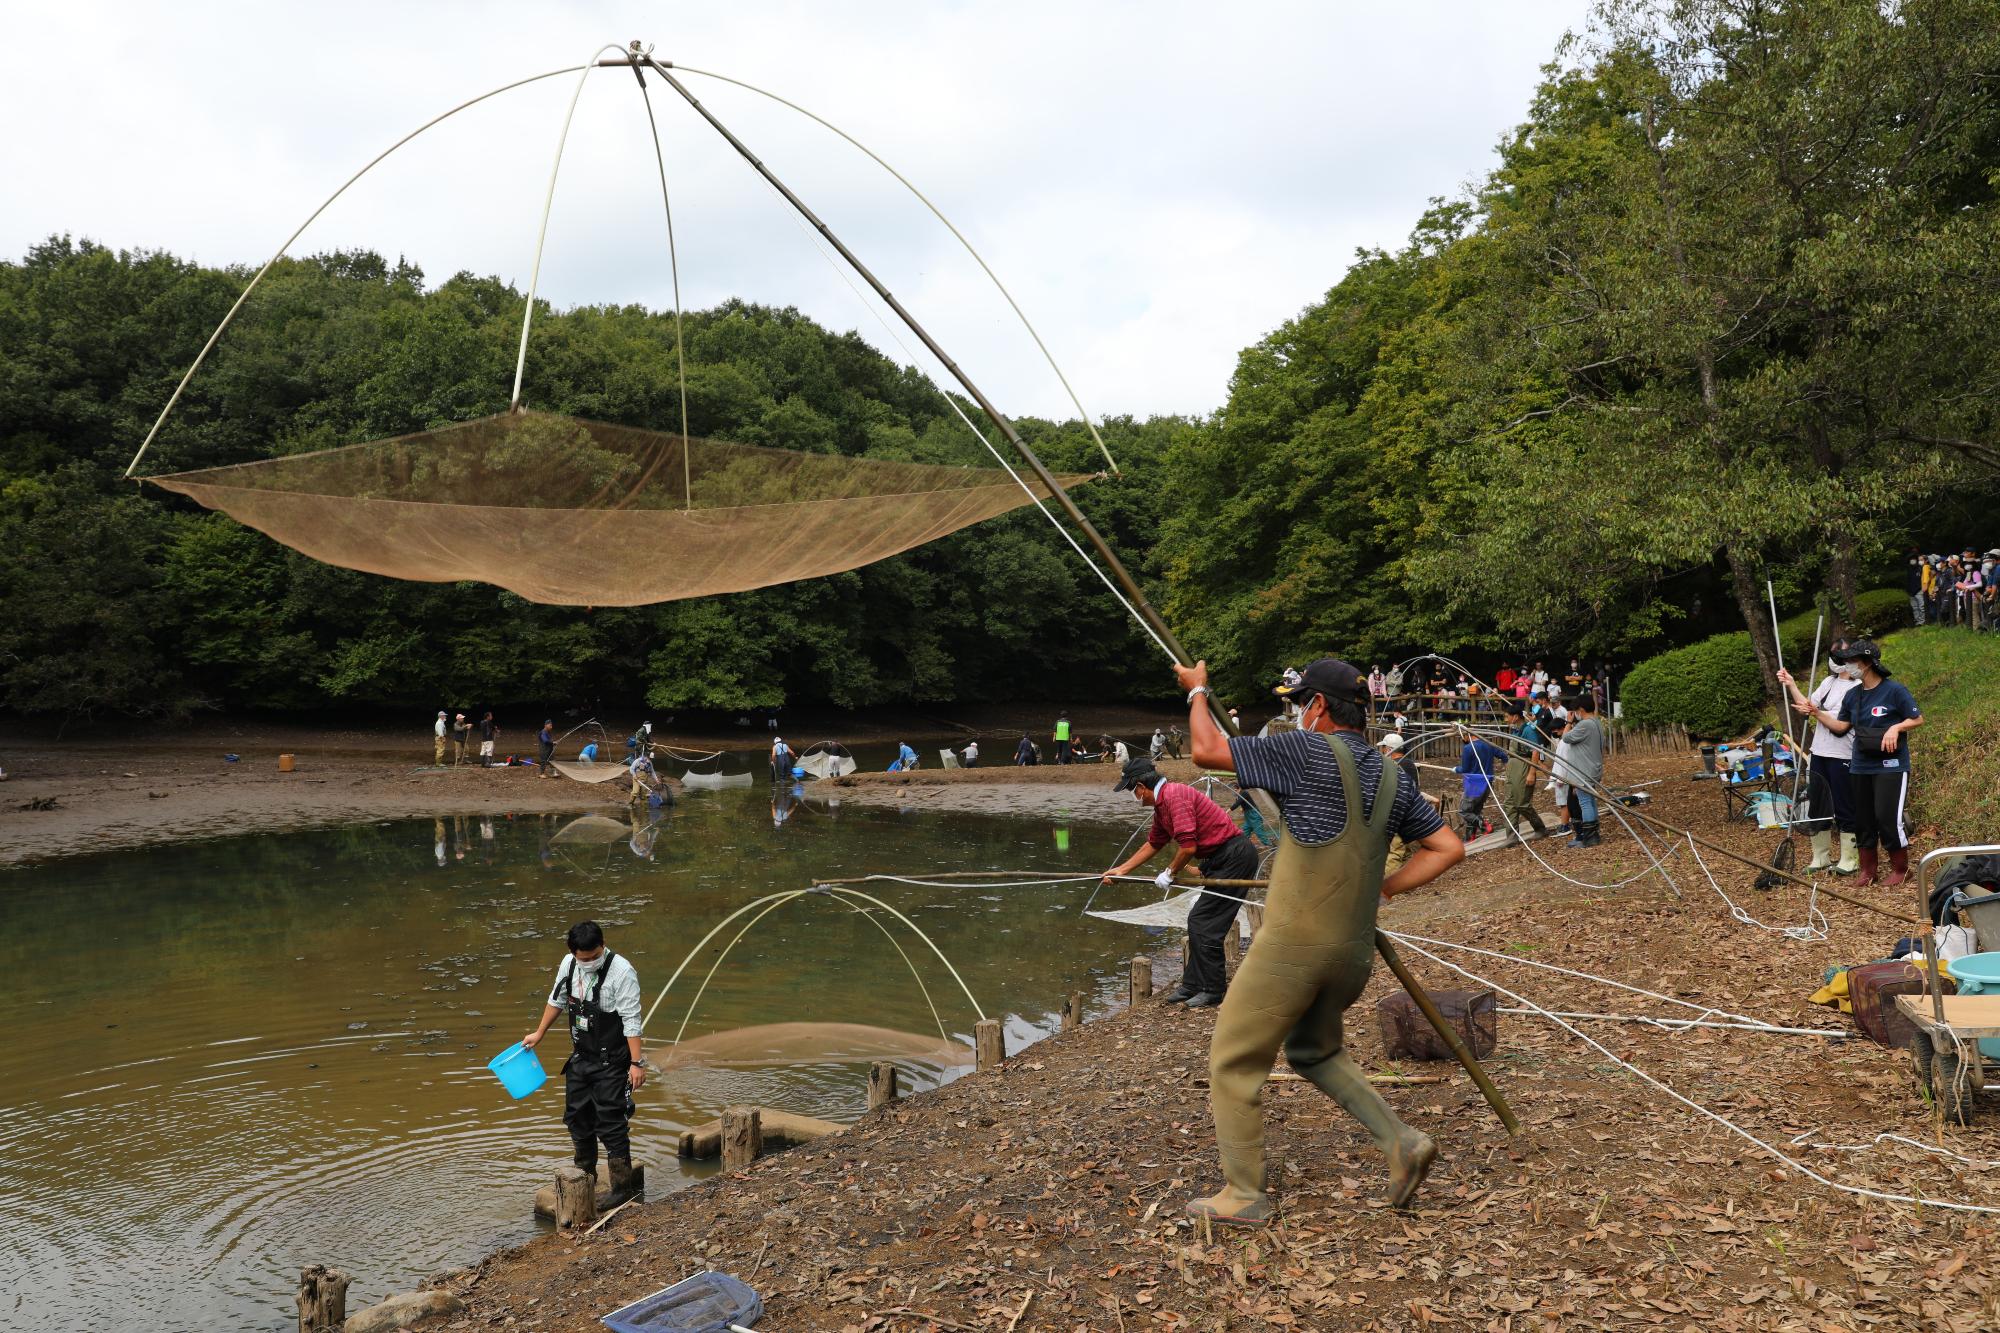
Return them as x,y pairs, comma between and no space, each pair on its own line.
1142,978
883,1084
576,1198
742,1137
990,1044
322,1298
1072,1014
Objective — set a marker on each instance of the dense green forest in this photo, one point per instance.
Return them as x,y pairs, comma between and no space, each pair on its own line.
1726,309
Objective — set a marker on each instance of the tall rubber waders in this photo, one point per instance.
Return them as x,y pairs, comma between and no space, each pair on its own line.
1141,608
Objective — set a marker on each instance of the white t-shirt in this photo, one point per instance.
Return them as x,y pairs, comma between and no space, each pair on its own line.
1827,696
1541,677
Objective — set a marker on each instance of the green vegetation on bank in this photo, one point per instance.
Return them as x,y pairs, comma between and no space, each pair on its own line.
1716,689
1724,311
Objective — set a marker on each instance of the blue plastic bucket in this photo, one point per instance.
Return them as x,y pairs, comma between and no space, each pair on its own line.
1978,974
519,1070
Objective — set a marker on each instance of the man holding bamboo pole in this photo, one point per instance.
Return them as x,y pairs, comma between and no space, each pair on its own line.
1341,803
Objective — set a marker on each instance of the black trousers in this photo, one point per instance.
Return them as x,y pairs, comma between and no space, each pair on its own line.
1829,796
594,1108
1214,915
1878,810
1062,752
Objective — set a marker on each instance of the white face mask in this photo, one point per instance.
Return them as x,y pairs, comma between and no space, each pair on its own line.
593,964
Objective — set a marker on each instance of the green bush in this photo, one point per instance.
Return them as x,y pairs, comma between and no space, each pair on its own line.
1714,689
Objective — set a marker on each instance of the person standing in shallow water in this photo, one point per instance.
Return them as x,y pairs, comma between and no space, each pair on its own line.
600,992
1341,802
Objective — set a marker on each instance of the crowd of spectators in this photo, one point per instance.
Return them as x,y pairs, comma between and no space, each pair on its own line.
1954,589
1438,692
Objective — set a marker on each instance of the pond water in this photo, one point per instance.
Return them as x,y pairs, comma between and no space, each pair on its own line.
230,1059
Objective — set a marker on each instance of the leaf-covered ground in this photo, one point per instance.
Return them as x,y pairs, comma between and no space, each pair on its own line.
1048,1195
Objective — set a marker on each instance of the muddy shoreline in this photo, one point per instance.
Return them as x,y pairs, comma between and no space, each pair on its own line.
70,794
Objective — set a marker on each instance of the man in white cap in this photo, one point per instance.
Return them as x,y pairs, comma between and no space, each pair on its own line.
437,750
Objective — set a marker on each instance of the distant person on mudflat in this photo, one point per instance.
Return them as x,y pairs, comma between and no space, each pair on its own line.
906,759
1062,739
1158,748
1341,801
489,731
437,747
1024,753
970,756
1877,714
1202,831
599,991
545,741
461,730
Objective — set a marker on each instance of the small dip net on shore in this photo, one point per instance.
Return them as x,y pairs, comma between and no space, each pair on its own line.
581,513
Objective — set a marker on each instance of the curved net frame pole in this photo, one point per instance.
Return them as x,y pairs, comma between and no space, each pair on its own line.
949,226
216,336
674,266
548,202
1140,606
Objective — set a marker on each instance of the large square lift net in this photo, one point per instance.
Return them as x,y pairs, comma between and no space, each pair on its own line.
581,513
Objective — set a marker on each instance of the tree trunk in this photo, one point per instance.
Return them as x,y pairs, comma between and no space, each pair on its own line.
1745,578
1840,583
576,1198
322,1298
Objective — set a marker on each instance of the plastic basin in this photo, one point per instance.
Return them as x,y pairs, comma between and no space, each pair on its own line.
519,1070
1978,974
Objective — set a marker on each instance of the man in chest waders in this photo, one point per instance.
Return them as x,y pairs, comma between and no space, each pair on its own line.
600,992
1311,958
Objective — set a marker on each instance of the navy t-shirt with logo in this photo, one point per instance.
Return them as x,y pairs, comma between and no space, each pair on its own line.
1884,706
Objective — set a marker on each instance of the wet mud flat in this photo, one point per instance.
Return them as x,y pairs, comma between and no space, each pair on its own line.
1047,1194
1037,791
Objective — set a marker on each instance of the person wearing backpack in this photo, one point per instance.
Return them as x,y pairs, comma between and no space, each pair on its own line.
1878,713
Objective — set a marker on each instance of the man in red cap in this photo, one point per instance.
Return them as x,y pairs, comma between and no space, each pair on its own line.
1342,802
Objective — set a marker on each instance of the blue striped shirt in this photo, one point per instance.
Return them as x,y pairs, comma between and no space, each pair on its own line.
1303,777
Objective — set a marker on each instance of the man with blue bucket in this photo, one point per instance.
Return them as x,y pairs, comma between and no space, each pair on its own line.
600,992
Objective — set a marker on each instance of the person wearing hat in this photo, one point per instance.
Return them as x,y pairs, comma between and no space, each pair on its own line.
1202,831
545,746
437,748
1829,785
1877,714
461,731
1517,798
1395,747
1342,801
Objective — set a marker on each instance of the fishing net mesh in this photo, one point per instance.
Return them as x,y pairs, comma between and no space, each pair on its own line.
1408,1035
582,513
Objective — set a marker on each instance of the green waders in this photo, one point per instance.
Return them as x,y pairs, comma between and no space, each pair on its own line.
1309,961
1519,803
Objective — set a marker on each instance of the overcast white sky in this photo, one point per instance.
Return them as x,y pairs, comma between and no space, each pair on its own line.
1159,183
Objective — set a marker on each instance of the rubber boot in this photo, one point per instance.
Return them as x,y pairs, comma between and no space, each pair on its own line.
1822,845
623,1184
1591,836
1410,1152
1850,856
1899,868
1868,866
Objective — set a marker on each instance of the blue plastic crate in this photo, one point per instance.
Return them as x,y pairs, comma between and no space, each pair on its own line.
704,1303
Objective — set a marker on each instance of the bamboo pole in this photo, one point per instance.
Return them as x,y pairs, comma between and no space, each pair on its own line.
1448,1032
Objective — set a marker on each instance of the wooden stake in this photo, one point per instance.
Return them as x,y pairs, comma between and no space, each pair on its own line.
1142,978
1072,1014
1254,914
883,1084
990,1044
742,1137
1232,948
576,1198
322,1298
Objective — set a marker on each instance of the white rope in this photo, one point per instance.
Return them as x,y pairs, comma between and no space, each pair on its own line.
937,213
251,286
1813,931
542,234
1697,1107
1683,1024
1800,1142
998,457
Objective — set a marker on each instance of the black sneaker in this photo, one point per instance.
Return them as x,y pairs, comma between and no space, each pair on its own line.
1181,994
1207,999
